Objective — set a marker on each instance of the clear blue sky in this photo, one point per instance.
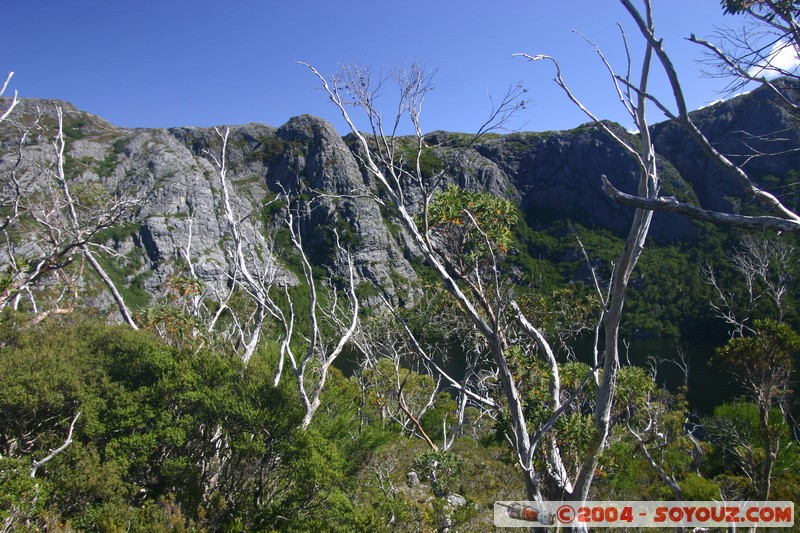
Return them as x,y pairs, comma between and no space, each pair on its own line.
158,63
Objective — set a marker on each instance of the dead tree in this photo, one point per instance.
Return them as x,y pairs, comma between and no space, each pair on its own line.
478,292
254,273
321,350
757,50
777,216
633,95
243,270
767,265
17,513
394,359
647,198
51,222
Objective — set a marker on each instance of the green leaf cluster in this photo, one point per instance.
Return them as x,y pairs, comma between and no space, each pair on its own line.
180,435
470,218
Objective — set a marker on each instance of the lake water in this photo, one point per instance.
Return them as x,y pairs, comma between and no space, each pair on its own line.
708,386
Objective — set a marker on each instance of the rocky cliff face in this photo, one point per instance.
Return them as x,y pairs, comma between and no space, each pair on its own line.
553,175
180,216
556,175
754,130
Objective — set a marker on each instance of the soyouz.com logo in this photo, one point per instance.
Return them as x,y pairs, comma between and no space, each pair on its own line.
644,514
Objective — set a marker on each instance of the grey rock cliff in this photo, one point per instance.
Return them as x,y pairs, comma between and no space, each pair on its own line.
551,175
556,176
754,130
316,164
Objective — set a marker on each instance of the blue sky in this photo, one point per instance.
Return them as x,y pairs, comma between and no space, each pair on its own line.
159,63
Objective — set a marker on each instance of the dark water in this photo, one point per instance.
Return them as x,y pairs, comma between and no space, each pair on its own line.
708,386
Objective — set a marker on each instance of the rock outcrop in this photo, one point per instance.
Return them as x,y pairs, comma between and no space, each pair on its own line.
754,130
551,175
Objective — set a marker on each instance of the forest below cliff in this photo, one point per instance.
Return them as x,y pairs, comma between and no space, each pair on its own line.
169,429
252,328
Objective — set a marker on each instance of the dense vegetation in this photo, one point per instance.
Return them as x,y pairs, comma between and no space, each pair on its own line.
218,404
167,429
177,438
107,428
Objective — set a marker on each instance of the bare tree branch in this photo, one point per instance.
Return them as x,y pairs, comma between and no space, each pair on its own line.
673,205
38,464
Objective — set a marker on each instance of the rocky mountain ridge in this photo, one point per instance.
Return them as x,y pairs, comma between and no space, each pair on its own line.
552,176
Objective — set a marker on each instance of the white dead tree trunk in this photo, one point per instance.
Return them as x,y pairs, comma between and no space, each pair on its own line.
389,336
767,265
14,100
37,464
16,512
47,227
391,356
207,317
635,95
244,272
778,216
632,95
381,155
59,144
253,271
311,369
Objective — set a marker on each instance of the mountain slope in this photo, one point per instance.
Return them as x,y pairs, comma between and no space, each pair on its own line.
553,177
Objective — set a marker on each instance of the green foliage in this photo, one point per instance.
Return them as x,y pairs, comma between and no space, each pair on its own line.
575,433
73,129
667,295
562,313
442,468
326,237
527,255
90,196
634,386
763,361
742,416
622,475
429,163
159,423
385,380
117,233
20,495
572,374
737,459
470,218
440,414
732,7
534,378
769,10
123,272
383,500
698,488
152,419
106,167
